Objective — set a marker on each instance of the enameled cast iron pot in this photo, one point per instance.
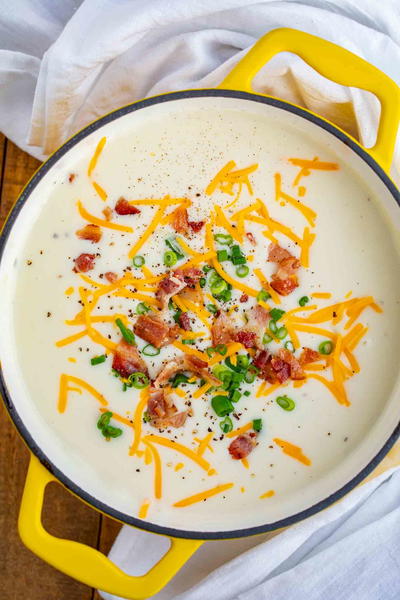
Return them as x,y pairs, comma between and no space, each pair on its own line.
85,563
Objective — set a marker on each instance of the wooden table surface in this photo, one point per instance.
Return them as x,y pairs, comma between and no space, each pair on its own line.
22,574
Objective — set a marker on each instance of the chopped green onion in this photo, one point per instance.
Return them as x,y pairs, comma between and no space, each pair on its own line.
188,342
247,393
224,297
267,339
106,429
242,271
111,432
202,282
221,349
139,380
207,268
170,258
281,333
175,247
237,380
257,425
104,419
219,286
276,313
232,366
304,300
235,396
213,277
150,350
325,347
127,334
138,261
289,346
177,315
97,360
224,240
210,351
237,257
142,308
222,255
226,379
226,425
146,416
178,379
285,402
263,295
125,387
249,376
242,361
222,405
273,326
115,373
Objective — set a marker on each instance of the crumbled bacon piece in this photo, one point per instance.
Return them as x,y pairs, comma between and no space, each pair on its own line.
90,232
222,330
281,370
309,356
191,275
111,277
284,281
154,331
277,254
257,319
261,359
169,286
71,177
247,338
242,445
163,412
280,367
191,293
243,298
296,371
196,225
180,220
84,263
284,287
251,238
184,321
127,360
124,208
185,363
107,212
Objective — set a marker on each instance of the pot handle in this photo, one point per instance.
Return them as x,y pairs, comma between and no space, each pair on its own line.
83,562
333,62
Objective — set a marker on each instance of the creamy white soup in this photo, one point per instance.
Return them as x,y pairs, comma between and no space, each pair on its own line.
206,314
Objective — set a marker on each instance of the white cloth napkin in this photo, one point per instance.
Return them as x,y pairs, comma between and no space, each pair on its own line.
63,64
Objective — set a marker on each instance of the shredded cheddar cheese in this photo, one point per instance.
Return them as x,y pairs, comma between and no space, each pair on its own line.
95,157
292,451
144,509
268,494
100,191
157,439
203,495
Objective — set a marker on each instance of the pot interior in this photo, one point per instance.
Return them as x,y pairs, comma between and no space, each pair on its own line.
176,147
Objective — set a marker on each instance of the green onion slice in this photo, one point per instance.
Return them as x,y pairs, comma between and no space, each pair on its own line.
289,346
242,271
257,425
97,360
242,361
263,295
222,255
276,313
267,338
222,405
226,425
281,333
127,334
170,258
221,349
150,350
175,247
235,396
285,402
138,261
304,300
326,347
139,380
273,327
224,240
142,308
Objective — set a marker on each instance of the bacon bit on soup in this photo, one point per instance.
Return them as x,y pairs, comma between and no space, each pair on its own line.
296,371
257,319
71,177
309,356
111,277
127,360
107,212
90,232
168,287
189,363
243,298
196,226
180,220
222,330
284,281
163,412
154,331
191,275
279,367
84,263
247,338
251,238
184,321
123,207
241,446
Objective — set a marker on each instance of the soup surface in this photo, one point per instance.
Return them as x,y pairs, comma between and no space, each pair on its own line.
206,314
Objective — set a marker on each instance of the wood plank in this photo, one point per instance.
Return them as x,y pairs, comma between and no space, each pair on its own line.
22,574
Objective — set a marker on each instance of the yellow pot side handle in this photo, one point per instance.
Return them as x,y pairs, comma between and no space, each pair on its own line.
83,562
332,62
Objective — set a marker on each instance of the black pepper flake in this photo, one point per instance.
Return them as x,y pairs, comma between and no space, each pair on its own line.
49,314
29,262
